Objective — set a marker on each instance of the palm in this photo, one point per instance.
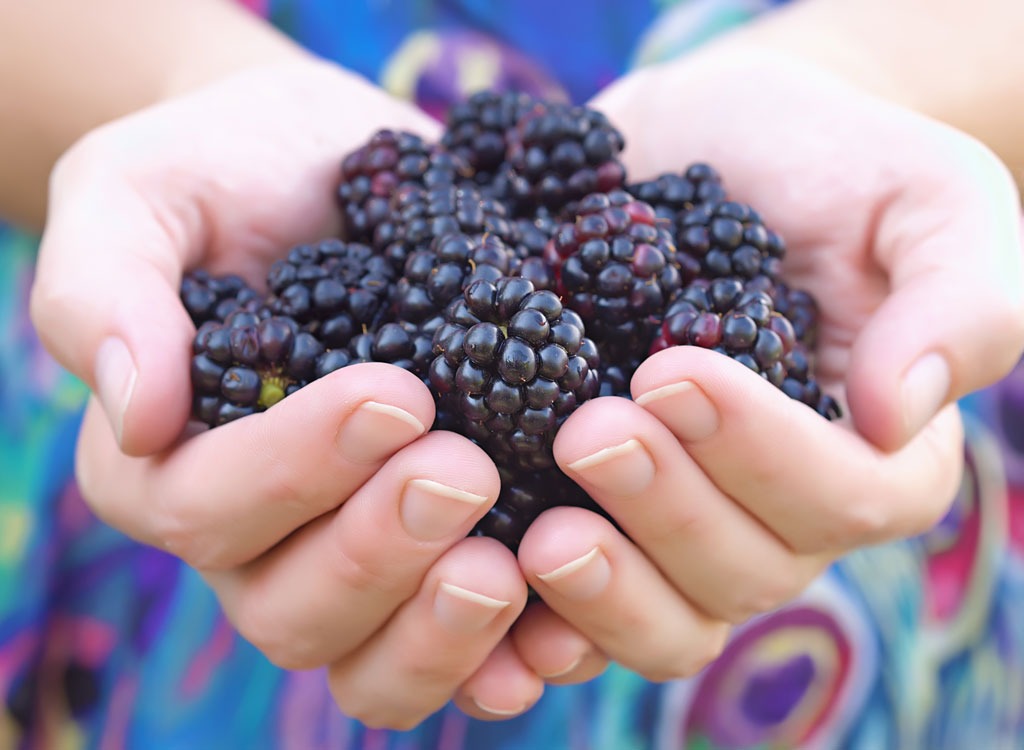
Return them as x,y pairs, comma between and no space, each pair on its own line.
260,154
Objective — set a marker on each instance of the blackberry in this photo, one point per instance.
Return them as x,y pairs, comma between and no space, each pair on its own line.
799,384
615,378
617,268
727,238
737,318
371,173
335,289
247,364
512,364
533,233
434,277
523,497
559,153
420,214
404,344
208,297
532,237
476,129
801,308
672,194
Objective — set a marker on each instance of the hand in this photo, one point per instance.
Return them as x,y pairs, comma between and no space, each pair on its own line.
331,528
733,496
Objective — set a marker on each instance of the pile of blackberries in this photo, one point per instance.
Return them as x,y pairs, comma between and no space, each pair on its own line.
518,273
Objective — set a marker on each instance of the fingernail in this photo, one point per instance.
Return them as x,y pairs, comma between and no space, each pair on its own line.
925,389
685,409
583,578
564,670
431,510
115,381
500,711
374,431
465,611
623,469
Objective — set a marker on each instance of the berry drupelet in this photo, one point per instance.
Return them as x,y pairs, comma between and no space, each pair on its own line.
512,364
208,297
333,288
737,318
617,268
727,238
558,153
247,364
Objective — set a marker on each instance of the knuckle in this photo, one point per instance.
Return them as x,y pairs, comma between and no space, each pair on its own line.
926,506
692,660
423,669
263,625
54,298
177,529
175,535
767,595
372,709
861,520
359,571
279,482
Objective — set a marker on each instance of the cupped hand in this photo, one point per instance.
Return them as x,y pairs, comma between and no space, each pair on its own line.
731,496
331,527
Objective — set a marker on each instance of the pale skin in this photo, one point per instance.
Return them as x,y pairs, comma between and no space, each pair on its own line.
332,528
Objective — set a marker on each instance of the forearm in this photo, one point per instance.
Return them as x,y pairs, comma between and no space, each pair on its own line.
962,63
68,66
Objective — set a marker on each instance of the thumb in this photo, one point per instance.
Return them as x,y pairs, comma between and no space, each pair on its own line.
953,321
105,302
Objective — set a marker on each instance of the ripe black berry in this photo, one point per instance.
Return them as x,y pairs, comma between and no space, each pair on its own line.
208,297
335,289
559,153
435,276
513,364
372,173
476,129
617,268
672,194
737,318
524,496
726,238
419,215
247,364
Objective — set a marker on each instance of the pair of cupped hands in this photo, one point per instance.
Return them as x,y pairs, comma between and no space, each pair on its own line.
333,526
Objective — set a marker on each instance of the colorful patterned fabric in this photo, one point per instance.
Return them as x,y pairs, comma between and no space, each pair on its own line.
108,644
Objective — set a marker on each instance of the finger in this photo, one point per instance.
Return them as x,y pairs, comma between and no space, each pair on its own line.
224,496
553,649
821,488
597,580
436,641
954,319
712,550
141,199
105,303
332,584
503,687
